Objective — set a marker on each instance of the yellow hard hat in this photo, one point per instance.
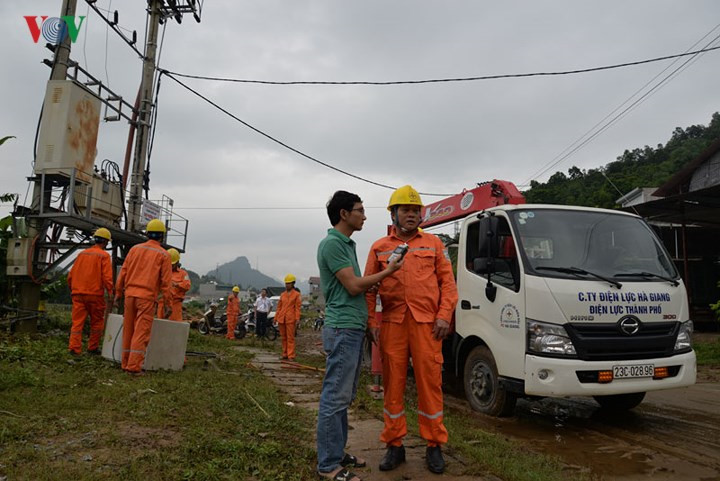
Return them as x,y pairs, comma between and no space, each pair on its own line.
174,255
405,195
103,233
236,289
156,225
289,278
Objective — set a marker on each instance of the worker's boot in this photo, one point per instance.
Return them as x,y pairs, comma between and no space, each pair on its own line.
434,459
394,457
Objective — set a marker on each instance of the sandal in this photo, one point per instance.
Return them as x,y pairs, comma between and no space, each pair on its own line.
352,461
343,474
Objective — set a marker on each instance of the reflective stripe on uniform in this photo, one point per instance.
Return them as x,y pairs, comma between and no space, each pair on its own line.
412,249
430,416
394,416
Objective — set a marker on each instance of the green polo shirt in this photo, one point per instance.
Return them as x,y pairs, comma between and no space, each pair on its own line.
342,310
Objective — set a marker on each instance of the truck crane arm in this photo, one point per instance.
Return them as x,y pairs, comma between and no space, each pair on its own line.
484,196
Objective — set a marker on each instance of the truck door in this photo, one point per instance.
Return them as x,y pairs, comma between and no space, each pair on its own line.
492,300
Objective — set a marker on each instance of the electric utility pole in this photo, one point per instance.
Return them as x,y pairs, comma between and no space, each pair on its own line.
137,178
28,288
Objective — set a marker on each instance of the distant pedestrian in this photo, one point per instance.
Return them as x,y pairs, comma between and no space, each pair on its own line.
146,272
90,277
343,333
233,311
288,316
263,306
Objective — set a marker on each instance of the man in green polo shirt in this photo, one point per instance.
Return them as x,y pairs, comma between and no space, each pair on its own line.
343,332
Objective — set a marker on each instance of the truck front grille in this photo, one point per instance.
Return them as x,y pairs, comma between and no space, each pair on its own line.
604,341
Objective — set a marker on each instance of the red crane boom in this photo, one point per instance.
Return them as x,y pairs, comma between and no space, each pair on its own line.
484,196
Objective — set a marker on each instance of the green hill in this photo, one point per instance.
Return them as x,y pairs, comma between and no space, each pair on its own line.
640,167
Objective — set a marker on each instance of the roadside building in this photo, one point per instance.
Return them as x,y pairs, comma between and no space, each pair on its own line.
685,212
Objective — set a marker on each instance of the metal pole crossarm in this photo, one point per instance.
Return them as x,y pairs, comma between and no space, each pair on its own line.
113,24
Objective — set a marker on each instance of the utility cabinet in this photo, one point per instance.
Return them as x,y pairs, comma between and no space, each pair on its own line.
68,131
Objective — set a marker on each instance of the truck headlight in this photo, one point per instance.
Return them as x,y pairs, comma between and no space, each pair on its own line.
684,337
545,338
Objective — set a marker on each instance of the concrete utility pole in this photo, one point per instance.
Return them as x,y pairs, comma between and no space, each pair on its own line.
28,289
147,88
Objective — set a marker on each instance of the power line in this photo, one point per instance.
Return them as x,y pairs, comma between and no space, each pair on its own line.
580,143
279,142
264,208
443,80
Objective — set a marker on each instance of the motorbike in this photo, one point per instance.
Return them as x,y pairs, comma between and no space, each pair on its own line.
246,324
216,323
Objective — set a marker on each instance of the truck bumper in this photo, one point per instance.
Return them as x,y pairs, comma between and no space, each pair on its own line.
561,376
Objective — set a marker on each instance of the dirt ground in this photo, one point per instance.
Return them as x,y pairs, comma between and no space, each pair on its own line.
673,435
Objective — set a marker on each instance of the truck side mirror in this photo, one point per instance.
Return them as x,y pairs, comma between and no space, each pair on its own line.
489,248
483,265
492,242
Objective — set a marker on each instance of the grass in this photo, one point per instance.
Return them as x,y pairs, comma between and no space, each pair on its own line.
84,419
707,352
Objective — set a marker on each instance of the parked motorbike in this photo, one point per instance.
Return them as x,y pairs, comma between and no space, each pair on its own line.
246,324
215,322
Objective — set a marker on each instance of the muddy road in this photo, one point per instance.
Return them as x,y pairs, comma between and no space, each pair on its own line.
672,435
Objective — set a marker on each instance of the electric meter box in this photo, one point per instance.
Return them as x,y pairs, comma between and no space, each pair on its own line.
68,131
105,199
18,256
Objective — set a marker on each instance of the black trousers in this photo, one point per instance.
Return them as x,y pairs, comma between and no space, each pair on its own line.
260,323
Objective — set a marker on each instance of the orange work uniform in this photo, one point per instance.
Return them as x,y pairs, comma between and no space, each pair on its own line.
89,277
233,311
287,316
180,284
146,273
413,298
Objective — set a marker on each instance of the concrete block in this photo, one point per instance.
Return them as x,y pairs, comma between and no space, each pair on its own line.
166,349
112,342
168,342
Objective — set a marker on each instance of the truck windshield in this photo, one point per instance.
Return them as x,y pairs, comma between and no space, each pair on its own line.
616,246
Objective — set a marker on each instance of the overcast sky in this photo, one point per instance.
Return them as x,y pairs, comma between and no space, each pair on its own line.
441,138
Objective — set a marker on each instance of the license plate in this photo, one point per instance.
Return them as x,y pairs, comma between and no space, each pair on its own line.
639,370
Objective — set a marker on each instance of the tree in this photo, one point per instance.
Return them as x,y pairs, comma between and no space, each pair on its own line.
5,235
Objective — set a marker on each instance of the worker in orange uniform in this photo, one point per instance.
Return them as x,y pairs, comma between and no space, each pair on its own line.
146,272
90,277
418,302
287,316
233,311
180,285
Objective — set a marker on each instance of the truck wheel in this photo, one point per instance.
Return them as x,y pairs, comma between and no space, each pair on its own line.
482,386
240,332
203,327
620,402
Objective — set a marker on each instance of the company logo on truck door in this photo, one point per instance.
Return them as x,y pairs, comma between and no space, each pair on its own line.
510,317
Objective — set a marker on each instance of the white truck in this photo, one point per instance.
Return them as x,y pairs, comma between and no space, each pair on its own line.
558,301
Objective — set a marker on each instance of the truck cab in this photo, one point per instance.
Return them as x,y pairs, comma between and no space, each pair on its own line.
558,301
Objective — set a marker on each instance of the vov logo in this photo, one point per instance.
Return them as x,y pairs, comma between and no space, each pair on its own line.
54,29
